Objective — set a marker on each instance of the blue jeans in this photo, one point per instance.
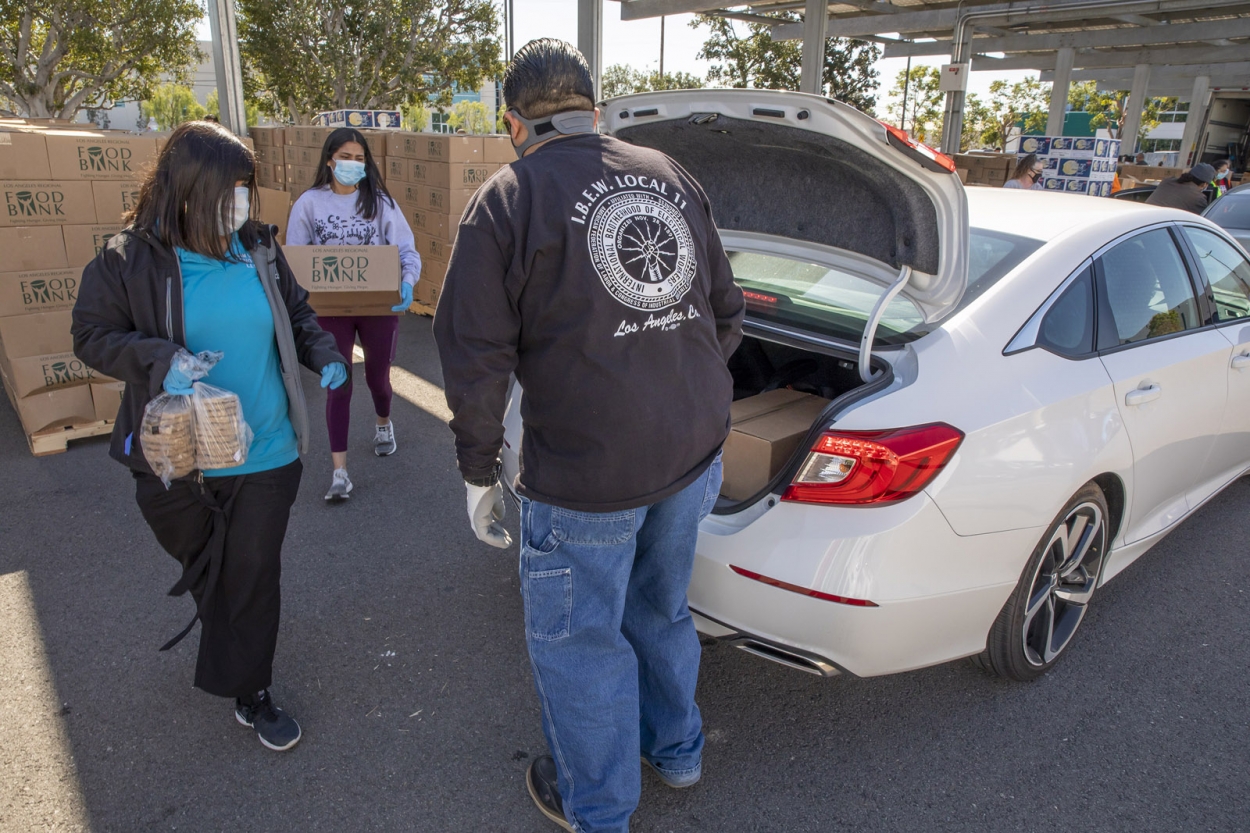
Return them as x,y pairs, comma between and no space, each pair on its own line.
613,648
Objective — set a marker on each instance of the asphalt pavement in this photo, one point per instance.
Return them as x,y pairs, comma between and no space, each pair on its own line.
401,654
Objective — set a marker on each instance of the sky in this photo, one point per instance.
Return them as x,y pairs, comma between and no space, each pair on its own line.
637,43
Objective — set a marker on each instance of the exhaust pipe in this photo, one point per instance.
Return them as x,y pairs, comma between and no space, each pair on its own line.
788,657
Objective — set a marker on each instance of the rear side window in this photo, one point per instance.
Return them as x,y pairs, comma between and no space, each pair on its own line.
1147,290
1226,271
1233,211
1068,326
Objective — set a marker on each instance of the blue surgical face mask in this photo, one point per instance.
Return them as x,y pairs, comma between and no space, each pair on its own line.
348,172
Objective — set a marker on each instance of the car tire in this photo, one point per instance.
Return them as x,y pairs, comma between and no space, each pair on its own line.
1039,621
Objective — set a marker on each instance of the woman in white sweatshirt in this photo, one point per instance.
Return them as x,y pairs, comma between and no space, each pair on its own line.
349,205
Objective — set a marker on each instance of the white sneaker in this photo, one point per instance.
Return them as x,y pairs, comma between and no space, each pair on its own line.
384,440
340,486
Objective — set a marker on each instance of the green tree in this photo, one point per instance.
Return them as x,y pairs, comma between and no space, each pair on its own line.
1023,105
416,116
58,57
923,118
171,105
470,116
620,79
977,120
1109,108
754,59
306,56
251,108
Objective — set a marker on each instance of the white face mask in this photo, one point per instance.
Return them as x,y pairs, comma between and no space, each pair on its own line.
242,210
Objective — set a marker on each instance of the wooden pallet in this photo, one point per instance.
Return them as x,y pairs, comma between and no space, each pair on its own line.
56,440
421,309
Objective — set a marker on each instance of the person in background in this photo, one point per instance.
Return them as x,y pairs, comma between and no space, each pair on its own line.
230,291
1186,191
348,205
1140,159
1223,178
1027,174
623,430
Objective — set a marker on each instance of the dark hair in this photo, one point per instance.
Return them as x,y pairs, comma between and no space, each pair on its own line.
189,195
1219,163
1024,165
1187,178
548,76
370,189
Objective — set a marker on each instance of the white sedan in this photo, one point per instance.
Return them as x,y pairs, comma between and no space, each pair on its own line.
1026,391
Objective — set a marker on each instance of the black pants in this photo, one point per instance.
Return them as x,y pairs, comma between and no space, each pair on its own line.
239,600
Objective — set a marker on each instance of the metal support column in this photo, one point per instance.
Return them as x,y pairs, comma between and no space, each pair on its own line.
815,31
229,67
1194,121
1133,109
1064,58
590,38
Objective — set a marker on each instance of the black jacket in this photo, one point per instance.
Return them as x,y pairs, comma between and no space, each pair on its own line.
593,270
128,324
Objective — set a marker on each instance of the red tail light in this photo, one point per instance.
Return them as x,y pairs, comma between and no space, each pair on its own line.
924,154
870,467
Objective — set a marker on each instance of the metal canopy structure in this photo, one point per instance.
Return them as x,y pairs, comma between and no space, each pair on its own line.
1178,48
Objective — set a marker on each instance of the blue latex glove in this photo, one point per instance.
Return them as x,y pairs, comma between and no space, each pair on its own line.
177,383
333,375
405,294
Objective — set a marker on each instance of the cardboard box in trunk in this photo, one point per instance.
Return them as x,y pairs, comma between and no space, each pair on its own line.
23,293
766,433
27,249
53,408
30,203
23,156
83,243
108,399
114,200
99,155
348,280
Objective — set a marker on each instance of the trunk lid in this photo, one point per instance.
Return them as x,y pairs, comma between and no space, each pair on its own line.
808,169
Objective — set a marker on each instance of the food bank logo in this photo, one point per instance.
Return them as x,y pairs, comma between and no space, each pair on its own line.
66,372
335,269
100,241
34,203
97,159
45,291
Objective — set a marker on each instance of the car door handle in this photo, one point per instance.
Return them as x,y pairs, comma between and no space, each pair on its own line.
1143,395
1241,362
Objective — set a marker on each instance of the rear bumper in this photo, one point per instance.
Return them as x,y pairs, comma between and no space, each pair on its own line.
936,593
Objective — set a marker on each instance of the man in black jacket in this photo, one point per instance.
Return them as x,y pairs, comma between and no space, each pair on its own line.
592,270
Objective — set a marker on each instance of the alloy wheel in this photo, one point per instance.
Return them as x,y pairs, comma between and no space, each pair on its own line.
1066,577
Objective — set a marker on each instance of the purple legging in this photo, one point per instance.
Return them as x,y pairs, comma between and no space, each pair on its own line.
378,337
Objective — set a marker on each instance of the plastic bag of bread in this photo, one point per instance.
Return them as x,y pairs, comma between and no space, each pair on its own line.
222,436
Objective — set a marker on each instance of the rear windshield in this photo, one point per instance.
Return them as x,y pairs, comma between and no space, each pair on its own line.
836,303
1233,211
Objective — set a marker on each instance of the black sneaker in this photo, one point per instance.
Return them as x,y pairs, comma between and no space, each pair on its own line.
545,790
275,728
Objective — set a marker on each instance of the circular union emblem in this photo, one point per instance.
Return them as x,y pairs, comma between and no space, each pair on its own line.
641,247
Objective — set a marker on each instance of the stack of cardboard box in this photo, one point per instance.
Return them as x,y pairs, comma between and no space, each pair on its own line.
64,193
991,169
433,176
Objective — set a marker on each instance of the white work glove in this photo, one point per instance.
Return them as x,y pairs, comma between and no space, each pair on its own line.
486,511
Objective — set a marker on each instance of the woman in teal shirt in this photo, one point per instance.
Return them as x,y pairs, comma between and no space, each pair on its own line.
193,272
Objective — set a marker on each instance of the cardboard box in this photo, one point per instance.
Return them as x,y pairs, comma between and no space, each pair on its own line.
347,280
308,135
303,156
444,147
441,200
428,293
433,273
396,169
498,150
406,145
467,176
432,249
31,203
114,200
764,403
108,399
760,445
23,156
53,408
268,136
35,374
99,156
22,293
39,334
84,243
271,154
300,178
27,249
275,210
